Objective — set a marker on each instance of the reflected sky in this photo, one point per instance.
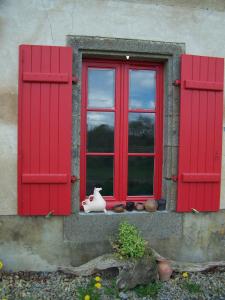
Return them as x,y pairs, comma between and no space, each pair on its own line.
95,119
142,88
101,88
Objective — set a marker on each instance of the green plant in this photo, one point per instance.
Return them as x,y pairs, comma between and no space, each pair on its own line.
129,243
112,290
192,287
88,289
152,289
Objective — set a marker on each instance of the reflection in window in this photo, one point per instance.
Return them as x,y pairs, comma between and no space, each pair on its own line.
142,85
101,88
100,133
141,132
140,175
100,174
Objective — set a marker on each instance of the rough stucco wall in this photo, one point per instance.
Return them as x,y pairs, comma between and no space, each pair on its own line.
199,25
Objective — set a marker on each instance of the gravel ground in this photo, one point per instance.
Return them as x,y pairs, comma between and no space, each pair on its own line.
54,286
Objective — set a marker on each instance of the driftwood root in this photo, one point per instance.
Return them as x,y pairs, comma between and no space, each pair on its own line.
108,261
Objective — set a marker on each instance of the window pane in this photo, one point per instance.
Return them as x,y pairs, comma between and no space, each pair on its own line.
100,132
101,88
141,132
100,174
142,89
140,175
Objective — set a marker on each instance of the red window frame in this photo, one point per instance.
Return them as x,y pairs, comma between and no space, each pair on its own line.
121,111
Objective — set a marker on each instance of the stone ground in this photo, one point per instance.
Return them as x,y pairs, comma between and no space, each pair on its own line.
54,286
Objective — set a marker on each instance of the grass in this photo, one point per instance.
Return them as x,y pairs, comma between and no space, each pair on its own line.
112,290
192,287
152,289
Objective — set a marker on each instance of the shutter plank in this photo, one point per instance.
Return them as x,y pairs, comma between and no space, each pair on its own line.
44,155
24,130
202,126
54,123
38,204
65,105
200,149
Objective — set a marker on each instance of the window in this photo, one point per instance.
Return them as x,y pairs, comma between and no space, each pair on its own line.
121,130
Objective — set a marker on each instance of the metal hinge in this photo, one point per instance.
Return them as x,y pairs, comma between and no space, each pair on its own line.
174,177
74,79
74,178
177,82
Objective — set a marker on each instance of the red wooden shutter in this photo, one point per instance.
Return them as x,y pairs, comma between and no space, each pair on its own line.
44,130
200,146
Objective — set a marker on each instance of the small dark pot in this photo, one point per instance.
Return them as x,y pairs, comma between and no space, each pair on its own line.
130,206
161,204
118,208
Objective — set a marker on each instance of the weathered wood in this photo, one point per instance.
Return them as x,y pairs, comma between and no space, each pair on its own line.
108,261
95,265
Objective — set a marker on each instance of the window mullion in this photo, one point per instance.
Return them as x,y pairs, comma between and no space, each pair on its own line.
124,132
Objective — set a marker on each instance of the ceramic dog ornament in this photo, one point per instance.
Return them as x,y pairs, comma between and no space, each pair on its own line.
94,202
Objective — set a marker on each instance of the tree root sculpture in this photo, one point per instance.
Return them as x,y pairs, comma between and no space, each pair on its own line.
108,261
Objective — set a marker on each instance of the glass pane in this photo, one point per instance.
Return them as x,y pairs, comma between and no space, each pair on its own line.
141,132
100,132
100,174
140,175
101,88
142,89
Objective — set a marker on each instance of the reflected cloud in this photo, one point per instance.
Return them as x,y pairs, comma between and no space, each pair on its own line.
101,87
95,119
142,89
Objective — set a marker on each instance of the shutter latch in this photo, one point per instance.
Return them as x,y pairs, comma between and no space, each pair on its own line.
176,83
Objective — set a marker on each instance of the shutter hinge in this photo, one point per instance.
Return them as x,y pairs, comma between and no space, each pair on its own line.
177,83
74,178
74,79
174,178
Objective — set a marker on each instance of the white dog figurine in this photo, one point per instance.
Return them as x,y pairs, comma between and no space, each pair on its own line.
96,204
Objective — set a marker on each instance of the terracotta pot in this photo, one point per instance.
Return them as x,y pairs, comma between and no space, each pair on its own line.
165,270
139,206
118,208
151,205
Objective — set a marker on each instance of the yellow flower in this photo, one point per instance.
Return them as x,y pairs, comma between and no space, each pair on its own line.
1,264
98,285
185,274
87,297
97,278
